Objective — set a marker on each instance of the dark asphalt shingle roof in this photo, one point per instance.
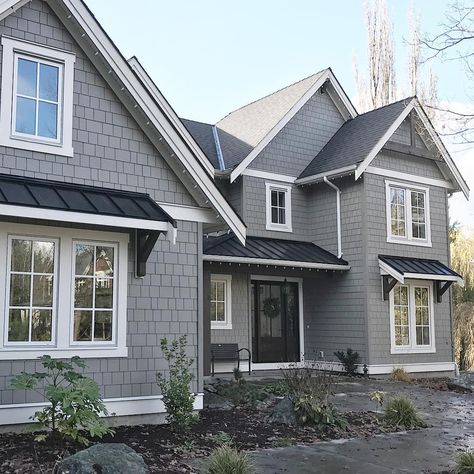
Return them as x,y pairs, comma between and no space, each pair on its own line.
202,133
269,249
422,266
45,194
355,139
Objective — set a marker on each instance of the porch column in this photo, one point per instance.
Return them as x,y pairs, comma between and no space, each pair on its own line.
207,320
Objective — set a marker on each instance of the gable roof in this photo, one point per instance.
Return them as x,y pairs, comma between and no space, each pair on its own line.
352,143
144,102
204,136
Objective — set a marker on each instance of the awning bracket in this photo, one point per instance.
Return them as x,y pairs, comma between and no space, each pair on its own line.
441,289
388,283
145,241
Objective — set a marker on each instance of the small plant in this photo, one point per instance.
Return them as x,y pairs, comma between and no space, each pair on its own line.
350,360
238,376
465,463
220,438
278,388
176,389
311,411
227,460
241,393
74,400
400,375
400,411
378,397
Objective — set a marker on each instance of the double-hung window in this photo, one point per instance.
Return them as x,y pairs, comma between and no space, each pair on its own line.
411,315
64,292
37,97
408,215
278,207
221,301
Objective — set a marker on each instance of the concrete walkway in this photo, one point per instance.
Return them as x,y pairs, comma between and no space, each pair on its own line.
449,415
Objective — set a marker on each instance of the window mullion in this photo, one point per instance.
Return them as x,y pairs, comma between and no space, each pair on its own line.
93,294
412,316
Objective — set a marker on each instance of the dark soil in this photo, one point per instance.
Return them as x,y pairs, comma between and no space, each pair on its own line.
167,452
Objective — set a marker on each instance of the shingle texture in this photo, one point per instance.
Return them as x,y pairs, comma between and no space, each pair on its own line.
38,193
270,249
202,133
355,139
418,265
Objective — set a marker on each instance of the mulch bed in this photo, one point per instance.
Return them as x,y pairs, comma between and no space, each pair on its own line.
166,452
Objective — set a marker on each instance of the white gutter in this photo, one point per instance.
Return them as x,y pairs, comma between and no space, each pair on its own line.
317,178
338,215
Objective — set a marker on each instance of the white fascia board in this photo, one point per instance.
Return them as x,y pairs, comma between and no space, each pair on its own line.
424,276
274,131
380,144
316,178
189,213
10,6
442,149
164,104
81,218
387,269
274,263
267,175
157,116
351,111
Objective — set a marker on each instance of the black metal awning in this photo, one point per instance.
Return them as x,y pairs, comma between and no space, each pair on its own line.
32,198
275,252
397,269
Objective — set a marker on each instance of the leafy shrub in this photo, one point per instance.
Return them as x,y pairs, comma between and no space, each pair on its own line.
227,460
241,393
311,411
400,375
400,411
465,463
278,388
75,401
350,360
176,390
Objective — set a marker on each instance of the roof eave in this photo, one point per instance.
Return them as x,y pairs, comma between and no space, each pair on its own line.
318,178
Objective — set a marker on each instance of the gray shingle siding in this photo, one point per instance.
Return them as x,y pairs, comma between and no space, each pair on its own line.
110,150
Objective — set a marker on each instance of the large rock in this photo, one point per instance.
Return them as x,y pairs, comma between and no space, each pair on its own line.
464,381
113,458
284,412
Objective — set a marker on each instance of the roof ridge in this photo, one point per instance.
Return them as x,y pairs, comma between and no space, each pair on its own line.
196,121
408,99
272,93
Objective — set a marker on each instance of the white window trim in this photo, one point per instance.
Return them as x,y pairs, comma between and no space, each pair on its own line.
227,324
61,348
408,239
413,348
288,227
63,146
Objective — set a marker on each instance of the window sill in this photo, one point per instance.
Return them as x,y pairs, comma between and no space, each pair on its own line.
413,350
221,326
278,228
40,147
83,352
415,243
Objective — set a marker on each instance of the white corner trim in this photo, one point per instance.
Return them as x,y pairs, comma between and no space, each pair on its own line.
379,145
227,323
274,263
415,179
274,131
12,47
271,176
189,213
316,178
81,218
128,406
288,226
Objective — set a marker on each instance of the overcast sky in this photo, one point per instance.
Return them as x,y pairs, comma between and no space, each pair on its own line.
209,57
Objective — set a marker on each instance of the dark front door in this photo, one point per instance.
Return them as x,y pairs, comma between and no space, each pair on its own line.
275,316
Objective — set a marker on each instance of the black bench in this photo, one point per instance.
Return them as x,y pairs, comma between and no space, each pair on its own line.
228,352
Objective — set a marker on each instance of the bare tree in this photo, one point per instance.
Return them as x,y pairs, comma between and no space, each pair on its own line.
379,88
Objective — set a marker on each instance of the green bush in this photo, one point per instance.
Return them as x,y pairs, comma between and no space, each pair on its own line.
178,400
400,411
75,401
241,393
227,460
465,463
311,411
350,360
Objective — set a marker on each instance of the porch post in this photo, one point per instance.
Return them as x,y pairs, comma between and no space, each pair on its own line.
207,321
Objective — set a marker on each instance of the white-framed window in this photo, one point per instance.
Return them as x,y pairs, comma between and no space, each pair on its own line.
411,318
37,97
408,214
64,292
221,301
278,207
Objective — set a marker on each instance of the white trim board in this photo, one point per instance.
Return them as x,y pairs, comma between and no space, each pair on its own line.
327,75
267,175
316,178
189,213
127,406
274,263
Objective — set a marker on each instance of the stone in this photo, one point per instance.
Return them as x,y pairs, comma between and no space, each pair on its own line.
464,381
113,458
284,412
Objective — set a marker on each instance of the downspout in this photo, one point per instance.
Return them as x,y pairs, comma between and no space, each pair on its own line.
338,215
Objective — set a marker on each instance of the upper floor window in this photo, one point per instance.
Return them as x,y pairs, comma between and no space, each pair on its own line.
408,214
37,97
221,304
278,207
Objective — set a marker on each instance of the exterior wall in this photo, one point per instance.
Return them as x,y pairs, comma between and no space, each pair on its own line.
302,138
111,151
378,310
